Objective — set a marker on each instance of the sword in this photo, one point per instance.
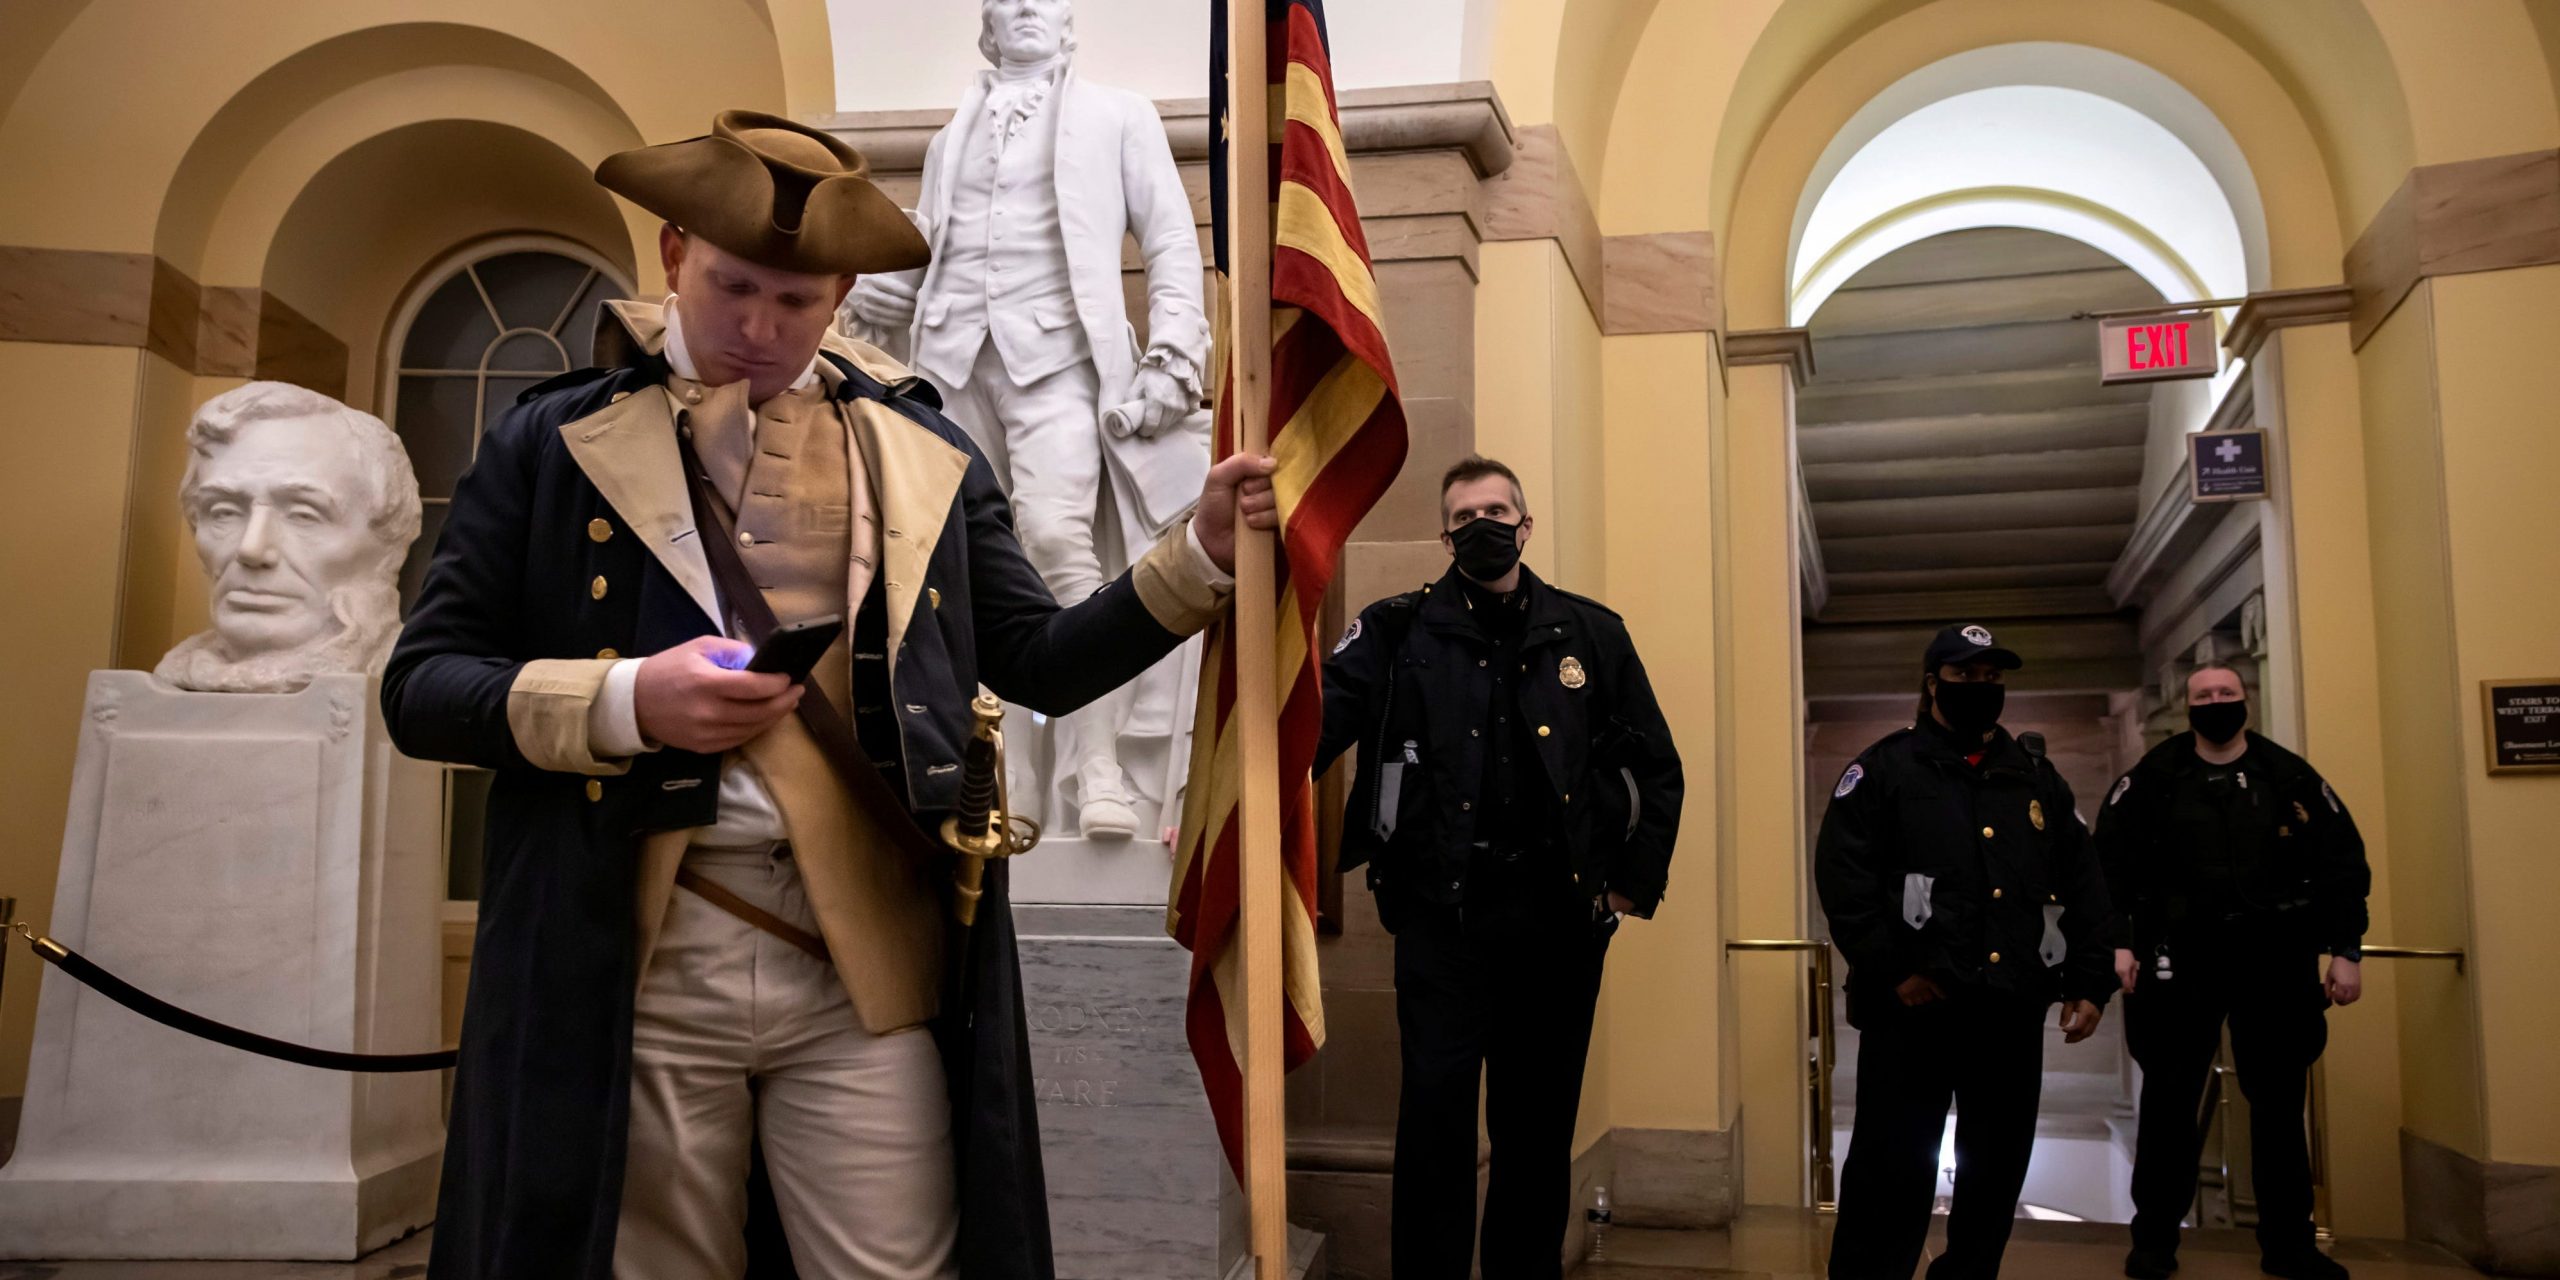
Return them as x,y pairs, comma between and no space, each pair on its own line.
983,826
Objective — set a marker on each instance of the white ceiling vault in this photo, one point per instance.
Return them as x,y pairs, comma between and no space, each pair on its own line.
2059,138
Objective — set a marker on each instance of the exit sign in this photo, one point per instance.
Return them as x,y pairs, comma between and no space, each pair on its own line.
2158,348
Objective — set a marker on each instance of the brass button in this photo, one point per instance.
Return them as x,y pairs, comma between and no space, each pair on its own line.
1995,895
1568,797
935,595
746,539
1995,957
1475,733
1986,833
607,654
693,395
595,789
596,588
599,529
1542,731
1466,806
619,397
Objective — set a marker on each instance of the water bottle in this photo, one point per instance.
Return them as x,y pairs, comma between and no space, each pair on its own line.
1598,1216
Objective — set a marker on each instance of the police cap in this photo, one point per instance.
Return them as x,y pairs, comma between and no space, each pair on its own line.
1968,642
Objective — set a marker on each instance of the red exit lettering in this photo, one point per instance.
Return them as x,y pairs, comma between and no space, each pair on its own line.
2156,346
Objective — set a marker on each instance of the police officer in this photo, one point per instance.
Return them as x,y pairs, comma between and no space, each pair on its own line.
2235,866
1517,790
1961,886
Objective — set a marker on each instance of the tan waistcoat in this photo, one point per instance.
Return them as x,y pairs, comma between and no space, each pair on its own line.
808,532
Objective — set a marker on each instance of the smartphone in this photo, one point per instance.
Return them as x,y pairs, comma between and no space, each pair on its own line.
793,650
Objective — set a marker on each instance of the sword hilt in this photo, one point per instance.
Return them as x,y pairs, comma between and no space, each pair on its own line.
981,826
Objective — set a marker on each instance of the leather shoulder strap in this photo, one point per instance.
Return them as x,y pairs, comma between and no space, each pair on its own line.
744,601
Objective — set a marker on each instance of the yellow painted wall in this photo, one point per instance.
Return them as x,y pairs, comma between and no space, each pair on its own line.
2422,754
2496,384
69,433
2309,399
1667,996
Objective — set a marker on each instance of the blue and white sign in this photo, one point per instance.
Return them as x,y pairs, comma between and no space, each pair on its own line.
2228,466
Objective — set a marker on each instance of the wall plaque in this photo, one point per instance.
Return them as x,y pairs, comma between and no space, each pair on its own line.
2523,719
2227,466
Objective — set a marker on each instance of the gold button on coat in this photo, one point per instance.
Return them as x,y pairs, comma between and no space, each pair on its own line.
599,529
1995,957
607,654
595,789
746,539
1542,731
596,589
1995,895
1986,833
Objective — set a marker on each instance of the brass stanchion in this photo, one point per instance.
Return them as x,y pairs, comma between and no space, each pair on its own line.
1818,1069
2318,1102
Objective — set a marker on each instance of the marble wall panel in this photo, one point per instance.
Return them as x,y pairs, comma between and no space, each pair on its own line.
1687,1179
2502,1218
1127,1142
1662,283
2485,214
294,348
1439,430
227,332
74,296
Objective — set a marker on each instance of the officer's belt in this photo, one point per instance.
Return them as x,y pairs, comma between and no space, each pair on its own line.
718,895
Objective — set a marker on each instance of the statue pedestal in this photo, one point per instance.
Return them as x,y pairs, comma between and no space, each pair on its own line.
269,861
1126,1141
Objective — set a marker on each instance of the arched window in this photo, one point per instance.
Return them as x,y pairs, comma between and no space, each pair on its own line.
488,323
484,324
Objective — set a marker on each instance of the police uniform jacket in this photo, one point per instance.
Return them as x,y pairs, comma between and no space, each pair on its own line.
1409,685
571,542
1979,877
2281,845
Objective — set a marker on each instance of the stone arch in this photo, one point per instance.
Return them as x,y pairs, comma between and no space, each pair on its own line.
276,131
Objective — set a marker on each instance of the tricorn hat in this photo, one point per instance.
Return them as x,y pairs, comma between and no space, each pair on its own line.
773,191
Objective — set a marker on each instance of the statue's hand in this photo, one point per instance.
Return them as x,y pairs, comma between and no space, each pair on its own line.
884,302
1165,400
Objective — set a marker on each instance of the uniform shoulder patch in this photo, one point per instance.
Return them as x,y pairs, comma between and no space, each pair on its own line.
1849,781
2123,784
1349,634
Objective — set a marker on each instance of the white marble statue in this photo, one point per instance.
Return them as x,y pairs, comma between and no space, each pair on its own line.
1020,322
302,510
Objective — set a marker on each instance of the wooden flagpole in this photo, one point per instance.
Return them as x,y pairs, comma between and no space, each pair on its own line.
1258,873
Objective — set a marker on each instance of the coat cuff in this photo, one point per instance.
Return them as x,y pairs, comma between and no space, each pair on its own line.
547,709
1181,589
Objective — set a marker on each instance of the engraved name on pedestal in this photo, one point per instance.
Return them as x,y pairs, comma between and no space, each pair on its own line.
1131,1152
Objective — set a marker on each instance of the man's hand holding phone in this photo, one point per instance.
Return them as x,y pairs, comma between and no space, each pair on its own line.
697,696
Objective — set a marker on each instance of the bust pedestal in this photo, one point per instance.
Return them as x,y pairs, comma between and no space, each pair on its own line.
269,861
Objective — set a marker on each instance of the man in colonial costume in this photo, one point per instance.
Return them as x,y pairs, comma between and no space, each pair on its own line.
713,930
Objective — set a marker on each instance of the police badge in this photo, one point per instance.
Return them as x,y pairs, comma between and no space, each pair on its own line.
1569,673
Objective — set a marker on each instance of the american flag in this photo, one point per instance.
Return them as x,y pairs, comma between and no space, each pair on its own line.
1337,430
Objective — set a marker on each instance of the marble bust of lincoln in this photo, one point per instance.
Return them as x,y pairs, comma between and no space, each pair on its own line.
302,510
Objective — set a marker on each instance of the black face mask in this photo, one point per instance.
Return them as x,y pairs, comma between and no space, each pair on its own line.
1971,709
1486,548
2217,722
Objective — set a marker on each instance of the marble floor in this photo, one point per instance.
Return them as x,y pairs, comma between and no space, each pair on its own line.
1766,1244
1793,1244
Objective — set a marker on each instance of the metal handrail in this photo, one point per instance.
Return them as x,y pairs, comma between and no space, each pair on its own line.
2461,958
1818,1069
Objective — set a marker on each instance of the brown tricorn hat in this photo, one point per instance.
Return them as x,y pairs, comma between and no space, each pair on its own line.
773,191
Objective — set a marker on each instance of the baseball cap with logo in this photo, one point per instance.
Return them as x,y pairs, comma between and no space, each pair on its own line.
1968,642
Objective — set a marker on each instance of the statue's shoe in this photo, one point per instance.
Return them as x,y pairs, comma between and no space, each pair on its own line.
1108,817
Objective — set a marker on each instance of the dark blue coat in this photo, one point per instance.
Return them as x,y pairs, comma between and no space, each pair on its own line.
534,1156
